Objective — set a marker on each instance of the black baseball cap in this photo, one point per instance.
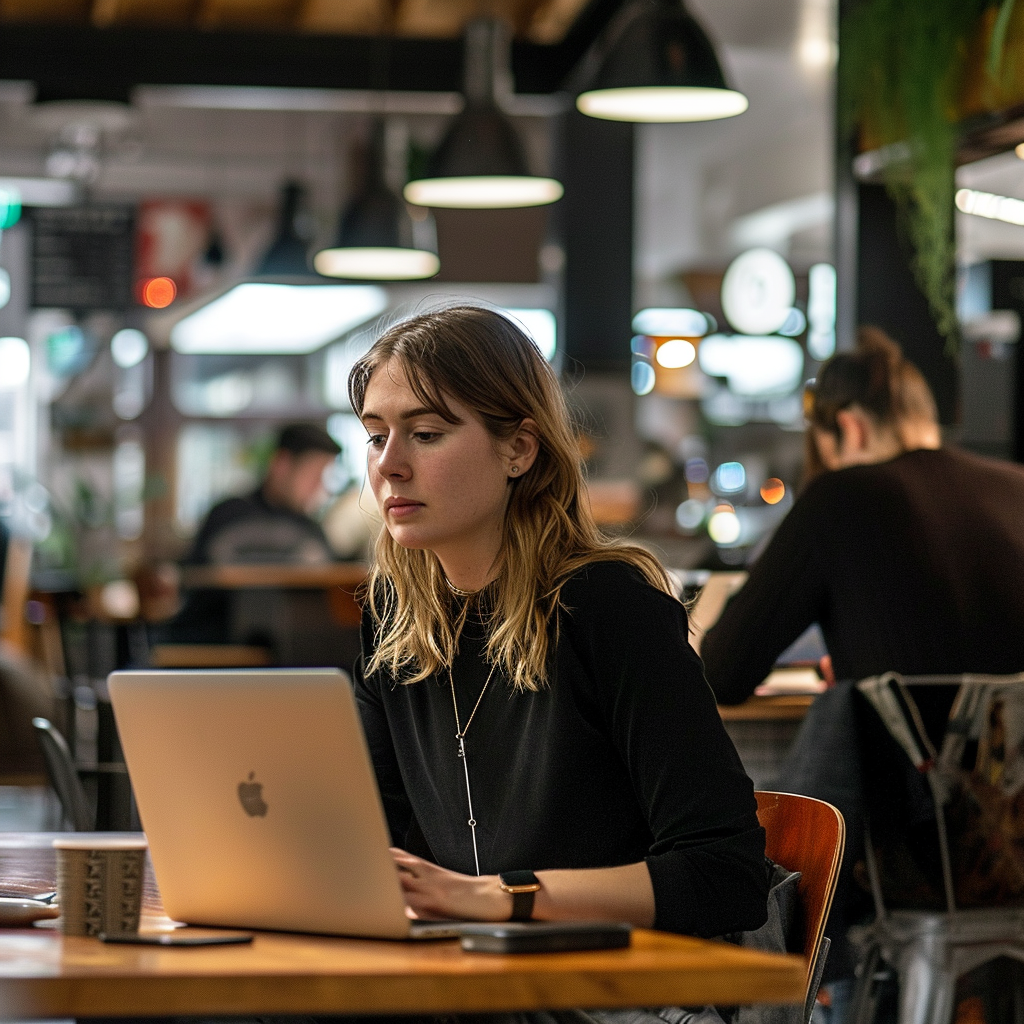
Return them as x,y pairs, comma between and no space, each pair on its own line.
299,438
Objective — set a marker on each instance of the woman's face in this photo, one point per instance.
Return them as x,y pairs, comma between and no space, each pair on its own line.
439,486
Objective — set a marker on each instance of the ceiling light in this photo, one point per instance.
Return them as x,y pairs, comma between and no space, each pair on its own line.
287,254
263,318
377,239
986,204
540,325
654,63
481,163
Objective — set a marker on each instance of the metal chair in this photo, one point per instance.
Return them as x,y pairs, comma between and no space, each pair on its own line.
64,780
931,949
806,835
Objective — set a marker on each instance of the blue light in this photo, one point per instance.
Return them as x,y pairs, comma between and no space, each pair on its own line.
641,345
730,478
642,377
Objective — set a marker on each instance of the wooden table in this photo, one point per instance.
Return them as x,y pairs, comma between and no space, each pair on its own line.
43,975
789,707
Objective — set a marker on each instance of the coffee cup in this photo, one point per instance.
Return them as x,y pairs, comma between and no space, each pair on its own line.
99,884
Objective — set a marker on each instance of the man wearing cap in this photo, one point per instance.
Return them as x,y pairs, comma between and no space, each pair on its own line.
272,525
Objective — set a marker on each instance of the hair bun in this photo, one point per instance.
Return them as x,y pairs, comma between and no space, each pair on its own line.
872,341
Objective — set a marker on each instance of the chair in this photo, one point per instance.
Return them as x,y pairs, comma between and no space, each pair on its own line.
931,948
806,835
60,767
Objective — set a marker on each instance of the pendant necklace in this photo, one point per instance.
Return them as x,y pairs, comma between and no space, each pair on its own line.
460,736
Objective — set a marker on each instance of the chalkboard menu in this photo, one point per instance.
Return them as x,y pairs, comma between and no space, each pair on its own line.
82,257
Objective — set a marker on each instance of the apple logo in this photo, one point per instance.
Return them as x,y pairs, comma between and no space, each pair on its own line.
251,795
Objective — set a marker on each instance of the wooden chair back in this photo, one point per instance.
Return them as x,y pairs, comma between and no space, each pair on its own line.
13,627
805,835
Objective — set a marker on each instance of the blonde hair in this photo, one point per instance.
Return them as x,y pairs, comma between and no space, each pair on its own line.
484,361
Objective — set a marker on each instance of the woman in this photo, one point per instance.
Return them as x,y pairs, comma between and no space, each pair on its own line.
528,694
910,556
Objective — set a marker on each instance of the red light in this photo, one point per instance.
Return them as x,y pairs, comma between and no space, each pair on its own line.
157,292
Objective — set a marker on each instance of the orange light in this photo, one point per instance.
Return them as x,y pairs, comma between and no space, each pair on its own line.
773,490
157,292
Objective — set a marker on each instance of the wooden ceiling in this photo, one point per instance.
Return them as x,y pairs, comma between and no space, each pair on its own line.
538,21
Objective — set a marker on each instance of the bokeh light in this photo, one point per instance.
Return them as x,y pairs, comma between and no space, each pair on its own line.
129,347
15,363
689,515
724,525
773,490
157,292
642,377
697,471
676,353
729,478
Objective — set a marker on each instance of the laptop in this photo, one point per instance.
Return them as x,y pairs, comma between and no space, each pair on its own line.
259,801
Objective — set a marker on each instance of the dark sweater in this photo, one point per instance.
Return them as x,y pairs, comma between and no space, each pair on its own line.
621,758
253,531
914,565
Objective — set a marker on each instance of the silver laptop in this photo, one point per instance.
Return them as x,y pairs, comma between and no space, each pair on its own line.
257,796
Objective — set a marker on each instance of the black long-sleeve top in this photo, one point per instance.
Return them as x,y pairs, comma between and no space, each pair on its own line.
914,565
622,757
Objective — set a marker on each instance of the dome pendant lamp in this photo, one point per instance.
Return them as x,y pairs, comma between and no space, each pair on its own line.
286,256
654,63
480,163
377,238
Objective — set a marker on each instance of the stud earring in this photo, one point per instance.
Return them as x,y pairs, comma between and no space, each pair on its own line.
514,469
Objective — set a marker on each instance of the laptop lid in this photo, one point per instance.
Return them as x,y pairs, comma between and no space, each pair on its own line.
258,799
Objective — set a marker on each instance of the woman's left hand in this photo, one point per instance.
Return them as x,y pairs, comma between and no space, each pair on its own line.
436,893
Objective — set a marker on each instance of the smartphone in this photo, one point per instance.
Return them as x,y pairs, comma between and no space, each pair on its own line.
544,936
182,937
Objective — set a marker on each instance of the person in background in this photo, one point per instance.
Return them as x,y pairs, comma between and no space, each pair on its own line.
910,557
273,525
533,710
270,526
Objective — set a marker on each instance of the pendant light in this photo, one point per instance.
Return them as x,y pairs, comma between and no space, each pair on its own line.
480,163
377,238
654,63
287,255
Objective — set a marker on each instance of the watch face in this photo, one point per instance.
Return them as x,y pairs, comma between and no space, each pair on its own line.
519,881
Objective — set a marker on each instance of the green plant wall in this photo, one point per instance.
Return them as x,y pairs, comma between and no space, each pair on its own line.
904,68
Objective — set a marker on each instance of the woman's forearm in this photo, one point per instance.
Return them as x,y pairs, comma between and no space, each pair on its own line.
585,894
608,894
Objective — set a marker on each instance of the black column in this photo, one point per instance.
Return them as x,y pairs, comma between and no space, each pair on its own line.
888,297
597,228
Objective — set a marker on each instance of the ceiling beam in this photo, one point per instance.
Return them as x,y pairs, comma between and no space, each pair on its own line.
88,62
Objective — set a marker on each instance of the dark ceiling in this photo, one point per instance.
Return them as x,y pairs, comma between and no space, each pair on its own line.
101,49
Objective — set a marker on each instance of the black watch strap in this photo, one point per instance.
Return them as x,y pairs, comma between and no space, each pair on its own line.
523,887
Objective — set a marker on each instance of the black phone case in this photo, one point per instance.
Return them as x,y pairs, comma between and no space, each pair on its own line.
174,939
544,936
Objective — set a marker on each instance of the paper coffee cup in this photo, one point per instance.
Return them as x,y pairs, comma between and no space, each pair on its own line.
99,884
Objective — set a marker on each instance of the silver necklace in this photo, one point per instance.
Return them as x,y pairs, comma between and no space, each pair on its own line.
457,592
460,736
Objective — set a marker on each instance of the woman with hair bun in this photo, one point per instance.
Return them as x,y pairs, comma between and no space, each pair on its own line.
529,697
909,555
